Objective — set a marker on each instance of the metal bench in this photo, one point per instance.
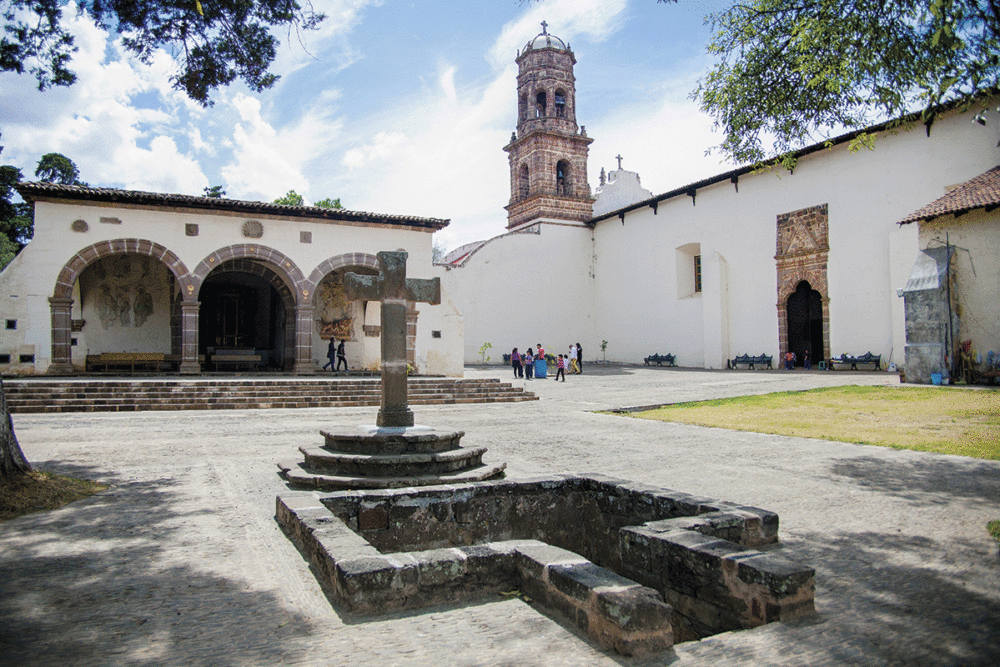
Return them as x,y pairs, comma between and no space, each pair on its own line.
751,362
866,358
660,359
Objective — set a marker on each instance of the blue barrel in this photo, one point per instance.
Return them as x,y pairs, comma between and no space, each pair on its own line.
541,368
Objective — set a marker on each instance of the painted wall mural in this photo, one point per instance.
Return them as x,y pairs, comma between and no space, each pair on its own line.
334,312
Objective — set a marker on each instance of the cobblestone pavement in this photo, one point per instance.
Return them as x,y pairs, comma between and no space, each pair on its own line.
180,562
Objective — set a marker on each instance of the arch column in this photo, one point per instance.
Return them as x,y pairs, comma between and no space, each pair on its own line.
189,338
304,364
62,361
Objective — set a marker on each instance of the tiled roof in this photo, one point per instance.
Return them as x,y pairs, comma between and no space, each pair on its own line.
48,191
983,191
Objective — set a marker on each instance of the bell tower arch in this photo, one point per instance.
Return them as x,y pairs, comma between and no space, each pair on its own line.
548,152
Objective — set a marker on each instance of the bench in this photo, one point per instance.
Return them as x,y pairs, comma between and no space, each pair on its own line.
660,359
866,358
235,358
751,362
109,360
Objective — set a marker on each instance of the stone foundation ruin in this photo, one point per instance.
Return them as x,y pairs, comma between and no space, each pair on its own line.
634,567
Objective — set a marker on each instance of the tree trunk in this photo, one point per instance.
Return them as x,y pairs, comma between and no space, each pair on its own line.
12,461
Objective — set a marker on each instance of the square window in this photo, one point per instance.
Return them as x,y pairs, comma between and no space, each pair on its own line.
11,325
27,358
435,334
4,358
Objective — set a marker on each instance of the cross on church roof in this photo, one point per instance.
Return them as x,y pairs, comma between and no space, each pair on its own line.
544,26
619,158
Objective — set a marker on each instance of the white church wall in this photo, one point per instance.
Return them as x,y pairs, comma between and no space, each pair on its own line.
636,298
525,288
30,279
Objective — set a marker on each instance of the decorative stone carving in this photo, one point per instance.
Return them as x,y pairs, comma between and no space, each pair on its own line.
79,226
803,248
253,229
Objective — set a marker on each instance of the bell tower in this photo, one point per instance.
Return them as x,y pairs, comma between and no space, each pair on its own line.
548,153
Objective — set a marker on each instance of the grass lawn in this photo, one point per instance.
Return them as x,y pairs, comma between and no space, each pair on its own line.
931,419
40,491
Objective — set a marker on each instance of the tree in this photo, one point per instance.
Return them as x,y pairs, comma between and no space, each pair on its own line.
12,460
213,43
293,198
329,203
791,69
214,192
16,223
57,168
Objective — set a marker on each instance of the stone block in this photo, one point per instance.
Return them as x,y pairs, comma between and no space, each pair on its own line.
375,583
440,567
578,580
373,518
634,608
777,574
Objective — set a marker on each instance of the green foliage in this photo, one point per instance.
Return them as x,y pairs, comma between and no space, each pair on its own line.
438,251
788,70
604,347
329,203
293,198
994,528
57,168
214,192
482,351
16,221
213,43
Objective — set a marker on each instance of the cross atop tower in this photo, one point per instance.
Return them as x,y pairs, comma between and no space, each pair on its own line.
619,158
544,26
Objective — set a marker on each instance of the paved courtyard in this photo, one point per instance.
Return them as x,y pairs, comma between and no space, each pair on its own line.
180,562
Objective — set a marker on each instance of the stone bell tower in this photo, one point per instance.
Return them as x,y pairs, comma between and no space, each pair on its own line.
548,153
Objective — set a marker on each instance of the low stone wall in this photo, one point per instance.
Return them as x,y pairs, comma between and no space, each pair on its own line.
561,539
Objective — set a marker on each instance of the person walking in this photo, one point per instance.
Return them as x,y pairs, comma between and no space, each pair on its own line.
560,368
341,355
331,354
571,356
515,361
579,358
529,364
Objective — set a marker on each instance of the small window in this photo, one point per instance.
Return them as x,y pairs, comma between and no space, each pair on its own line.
435,334
697,273
540,105
27,358
11,325
72,342
4,358
560,104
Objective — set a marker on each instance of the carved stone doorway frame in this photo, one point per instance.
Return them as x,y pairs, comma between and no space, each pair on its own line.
803,249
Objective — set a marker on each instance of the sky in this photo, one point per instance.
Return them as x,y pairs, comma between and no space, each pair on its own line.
395,107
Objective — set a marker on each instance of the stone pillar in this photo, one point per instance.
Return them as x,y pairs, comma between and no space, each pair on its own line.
189,338
62,362
304,364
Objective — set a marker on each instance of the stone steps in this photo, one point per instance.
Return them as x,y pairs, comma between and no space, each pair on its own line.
118,395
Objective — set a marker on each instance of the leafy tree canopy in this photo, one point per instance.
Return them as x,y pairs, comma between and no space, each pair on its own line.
293,198
213,43
329,203
214,192
792,71
16,223
57,168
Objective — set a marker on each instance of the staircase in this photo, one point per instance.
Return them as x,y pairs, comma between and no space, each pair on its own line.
32,395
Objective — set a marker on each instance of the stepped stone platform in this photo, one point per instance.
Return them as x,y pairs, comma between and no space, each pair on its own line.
38,395
373,457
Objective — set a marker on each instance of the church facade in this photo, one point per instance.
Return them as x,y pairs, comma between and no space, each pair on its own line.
199,284
746,262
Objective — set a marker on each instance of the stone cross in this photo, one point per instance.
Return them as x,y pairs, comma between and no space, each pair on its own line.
619,158
393,289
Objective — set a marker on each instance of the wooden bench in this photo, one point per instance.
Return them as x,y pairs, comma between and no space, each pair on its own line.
109,360
235,358
866,358
660,359
751,362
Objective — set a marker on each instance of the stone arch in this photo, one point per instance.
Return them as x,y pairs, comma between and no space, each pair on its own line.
61,301
283,267
338,262
357,260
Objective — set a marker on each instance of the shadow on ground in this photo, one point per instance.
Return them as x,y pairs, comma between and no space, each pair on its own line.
94,583
936,479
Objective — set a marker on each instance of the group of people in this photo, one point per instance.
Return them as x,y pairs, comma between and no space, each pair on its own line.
524,363
335,352
790,360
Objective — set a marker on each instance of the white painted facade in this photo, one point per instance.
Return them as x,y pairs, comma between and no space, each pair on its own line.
628,276
296,251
